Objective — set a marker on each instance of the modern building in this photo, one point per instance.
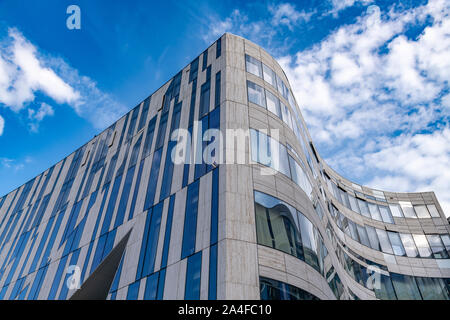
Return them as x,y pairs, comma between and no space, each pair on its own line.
267,219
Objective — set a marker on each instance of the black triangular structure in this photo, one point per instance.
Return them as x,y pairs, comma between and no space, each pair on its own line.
97,286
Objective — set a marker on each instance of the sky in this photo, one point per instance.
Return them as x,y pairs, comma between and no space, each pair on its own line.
371,77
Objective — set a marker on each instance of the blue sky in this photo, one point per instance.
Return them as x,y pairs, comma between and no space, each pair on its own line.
371,77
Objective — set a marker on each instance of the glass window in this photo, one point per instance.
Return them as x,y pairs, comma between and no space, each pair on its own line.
165,254
214,207
269,75
205,60
409,245
256,94
280,157
308,241
111,205
386,214
144,113
275,225
433,211
344,198
299,176
212,283
169,164
253,66
219,48
218,89
384,241
136,190
132,125
124,198
275,290
205,98
437,247
353,231
149,137
364,208
161,282
386,290
422,211
446,240
396,243
193,277
405,287
190,220
363,235
269,152
151,244
373,238
286,114
396,210
154,172
279,84
353,203
133,291
273,104
422,245
407,209
432,288
161,131
151,286
373,208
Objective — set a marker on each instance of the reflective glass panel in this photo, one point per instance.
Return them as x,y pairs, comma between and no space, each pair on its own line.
409,245
422,211
422,245
253,66
256,94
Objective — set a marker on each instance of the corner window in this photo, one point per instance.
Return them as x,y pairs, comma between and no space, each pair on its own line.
422,211
433,211
437,247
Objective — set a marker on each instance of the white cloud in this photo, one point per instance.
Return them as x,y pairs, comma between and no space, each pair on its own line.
15,165
24,71
339,5
24,74
41,113
2,125
371,65
37,116
368,87
418,162
286,14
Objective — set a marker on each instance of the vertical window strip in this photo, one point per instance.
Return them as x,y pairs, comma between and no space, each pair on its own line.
218,89
193,277
190,220
168,231
212,282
